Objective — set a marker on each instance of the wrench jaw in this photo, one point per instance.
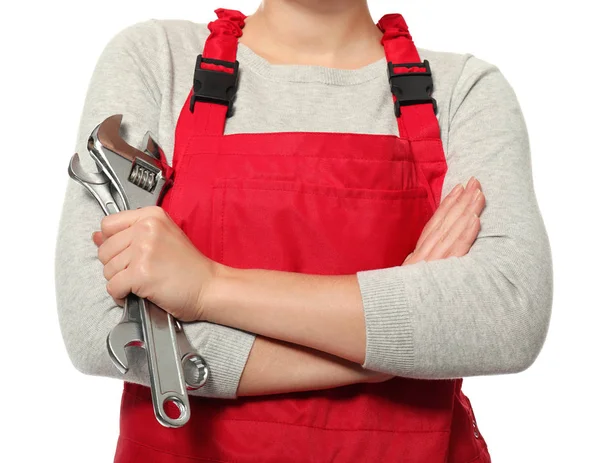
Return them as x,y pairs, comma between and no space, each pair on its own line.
151,147
123,335
96,183
113,173
128,332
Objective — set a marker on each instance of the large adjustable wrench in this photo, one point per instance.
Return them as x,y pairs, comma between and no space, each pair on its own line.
129,179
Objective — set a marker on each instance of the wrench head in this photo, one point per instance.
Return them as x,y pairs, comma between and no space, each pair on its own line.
195,371
96,183
77,173
137,176
124,334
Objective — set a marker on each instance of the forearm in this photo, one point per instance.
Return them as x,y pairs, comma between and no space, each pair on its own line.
275,367
316,311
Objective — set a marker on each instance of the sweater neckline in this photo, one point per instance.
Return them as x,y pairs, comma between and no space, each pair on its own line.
304,73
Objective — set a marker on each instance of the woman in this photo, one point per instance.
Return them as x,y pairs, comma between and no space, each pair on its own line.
332,291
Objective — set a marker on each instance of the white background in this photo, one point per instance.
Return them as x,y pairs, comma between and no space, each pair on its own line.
547,50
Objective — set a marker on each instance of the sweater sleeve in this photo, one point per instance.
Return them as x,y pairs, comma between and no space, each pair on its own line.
122,83
486,312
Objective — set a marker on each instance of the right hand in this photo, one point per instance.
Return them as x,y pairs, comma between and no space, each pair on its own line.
450,231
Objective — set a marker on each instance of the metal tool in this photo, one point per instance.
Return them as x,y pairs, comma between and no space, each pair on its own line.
129,179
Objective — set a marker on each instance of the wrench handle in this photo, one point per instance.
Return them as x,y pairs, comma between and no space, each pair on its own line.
164,362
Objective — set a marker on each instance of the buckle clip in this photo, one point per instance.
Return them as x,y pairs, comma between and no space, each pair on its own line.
411,88
215,86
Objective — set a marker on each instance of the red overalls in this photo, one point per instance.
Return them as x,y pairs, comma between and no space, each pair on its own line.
320,203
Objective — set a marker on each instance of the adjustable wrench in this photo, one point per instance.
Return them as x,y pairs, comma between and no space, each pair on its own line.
137,180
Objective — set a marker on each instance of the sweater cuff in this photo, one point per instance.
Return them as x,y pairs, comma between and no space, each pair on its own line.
225,351
388,320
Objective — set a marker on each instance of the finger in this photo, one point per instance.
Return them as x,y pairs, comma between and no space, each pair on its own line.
440,212
462,245
427,245
424,251
119,302
97,238
119,262
446,216
114,223
114,245
465,202
449,238
477,203
472,191
119,286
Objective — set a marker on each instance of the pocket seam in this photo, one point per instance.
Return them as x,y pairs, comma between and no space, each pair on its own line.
320,190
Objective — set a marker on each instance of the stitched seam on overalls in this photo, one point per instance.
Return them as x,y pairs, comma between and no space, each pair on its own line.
391,431
222,251
413,192
341,158
350,134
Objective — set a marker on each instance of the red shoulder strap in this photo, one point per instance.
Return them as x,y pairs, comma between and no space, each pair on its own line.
412,86
416,112
215,78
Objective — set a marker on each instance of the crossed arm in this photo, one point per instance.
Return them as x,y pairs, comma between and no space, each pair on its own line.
322,323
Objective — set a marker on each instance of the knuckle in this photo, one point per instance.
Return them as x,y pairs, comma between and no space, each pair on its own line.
101,255
148,223
157,211
147,229
104,222
443,236
465,216
440,225
106,272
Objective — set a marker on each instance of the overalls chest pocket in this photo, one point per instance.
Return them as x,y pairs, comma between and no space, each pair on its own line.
319,229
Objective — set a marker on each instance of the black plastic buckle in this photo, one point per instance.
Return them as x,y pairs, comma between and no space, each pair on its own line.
215,86
411,88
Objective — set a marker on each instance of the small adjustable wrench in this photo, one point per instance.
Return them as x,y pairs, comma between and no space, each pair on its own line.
137,180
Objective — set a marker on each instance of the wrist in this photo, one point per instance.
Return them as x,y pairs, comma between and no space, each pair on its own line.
213,290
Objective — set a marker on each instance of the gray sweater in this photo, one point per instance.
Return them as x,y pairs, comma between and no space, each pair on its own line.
483,313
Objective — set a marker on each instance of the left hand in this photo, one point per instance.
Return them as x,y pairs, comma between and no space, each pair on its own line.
144,252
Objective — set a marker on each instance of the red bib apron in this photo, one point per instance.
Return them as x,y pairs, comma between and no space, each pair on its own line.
320,203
